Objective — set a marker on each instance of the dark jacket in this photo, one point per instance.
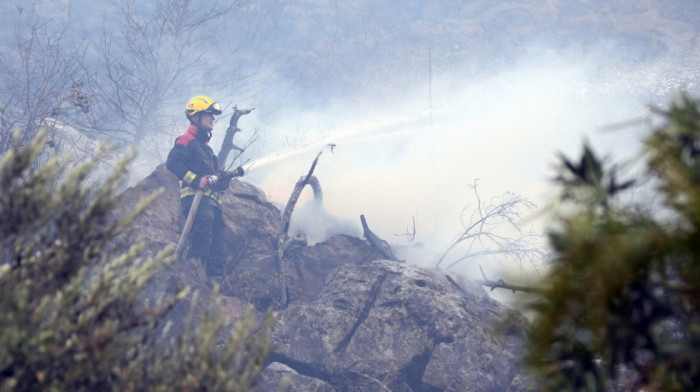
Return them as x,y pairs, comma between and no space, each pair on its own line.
191,159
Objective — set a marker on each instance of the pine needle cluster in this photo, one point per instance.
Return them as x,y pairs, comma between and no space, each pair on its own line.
70,314
620,308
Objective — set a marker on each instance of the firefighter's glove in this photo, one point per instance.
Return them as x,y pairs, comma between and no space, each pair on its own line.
207,182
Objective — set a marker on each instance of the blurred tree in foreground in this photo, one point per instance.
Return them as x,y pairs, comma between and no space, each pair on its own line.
70,314
620,307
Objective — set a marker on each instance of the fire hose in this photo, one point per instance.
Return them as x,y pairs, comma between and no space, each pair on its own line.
213,180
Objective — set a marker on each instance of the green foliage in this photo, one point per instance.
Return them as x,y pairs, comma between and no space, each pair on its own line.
70,313
620,307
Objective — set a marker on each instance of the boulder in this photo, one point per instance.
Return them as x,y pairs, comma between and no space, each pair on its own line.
403,327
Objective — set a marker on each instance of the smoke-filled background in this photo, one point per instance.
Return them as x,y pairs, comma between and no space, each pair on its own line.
422,98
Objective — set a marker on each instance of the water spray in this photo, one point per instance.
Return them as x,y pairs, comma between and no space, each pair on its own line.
351,139
277,158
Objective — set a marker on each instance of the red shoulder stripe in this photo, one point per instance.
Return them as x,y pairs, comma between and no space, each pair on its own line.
184,139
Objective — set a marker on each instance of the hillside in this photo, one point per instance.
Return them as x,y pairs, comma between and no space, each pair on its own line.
353,321
329,48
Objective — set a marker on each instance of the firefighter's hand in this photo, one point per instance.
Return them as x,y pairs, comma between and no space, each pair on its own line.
239,172
207,182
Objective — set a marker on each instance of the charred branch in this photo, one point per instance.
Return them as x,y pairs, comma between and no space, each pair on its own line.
316,187
227,145
410,234
283,238
369,304
376,242
501,284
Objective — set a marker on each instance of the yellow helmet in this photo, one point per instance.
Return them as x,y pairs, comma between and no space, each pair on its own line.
202,104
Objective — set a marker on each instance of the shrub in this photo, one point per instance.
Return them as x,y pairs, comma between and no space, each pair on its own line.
70,313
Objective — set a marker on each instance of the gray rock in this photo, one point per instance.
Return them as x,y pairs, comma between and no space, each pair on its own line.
523,383
403,326
277,377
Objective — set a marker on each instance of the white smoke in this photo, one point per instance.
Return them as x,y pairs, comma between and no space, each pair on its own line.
414,154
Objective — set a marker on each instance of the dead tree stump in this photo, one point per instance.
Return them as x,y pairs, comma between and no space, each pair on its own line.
227,145
283,237
381,245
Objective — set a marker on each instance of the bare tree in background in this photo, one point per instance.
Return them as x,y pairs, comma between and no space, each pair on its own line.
154,62
227,145
483,231
41,78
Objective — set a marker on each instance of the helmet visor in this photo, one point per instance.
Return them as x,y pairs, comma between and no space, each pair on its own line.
214,109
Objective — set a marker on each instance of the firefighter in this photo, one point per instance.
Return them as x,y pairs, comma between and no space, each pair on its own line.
193,161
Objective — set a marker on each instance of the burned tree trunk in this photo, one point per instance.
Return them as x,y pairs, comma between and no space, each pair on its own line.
378,243
316,187
283,237
227,145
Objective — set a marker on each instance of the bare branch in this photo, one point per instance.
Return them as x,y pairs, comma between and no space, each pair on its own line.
480,231
227,145
501,284
410,234
379,244
153,62
41,78
283,236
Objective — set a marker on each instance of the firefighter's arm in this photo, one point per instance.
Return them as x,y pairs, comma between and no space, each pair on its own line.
176,164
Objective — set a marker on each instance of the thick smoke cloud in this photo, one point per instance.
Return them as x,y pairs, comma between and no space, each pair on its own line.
414,154
423,99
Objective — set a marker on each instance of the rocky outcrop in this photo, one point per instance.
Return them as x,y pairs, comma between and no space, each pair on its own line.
354,321
401,328
253,225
